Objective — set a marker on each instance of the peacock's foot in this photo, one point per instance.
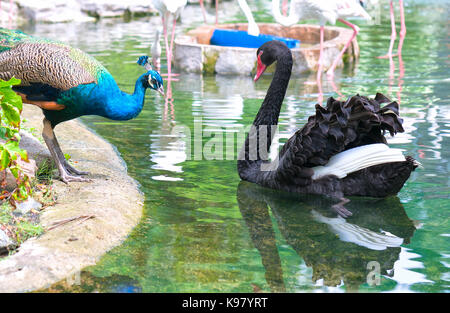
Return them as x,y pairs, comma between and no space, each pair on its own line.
67,178
71,170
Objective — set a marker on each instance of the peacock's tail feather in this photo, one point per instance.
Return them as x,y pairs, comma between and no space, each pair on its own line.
45,61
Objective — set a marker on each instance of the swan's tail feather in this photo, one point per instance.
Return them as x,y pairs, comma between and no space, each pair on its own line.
355,159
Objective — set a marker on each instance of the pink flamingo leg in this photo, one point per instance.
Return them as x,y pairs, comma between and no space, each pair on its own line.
401,74
170,54
319,71
402,29
393,33
168,50
355,28
203,10
284,7
391,74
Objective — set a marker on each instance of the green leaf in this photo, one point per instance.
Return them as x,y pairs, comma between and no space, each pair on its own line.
5,160
11,114
11,82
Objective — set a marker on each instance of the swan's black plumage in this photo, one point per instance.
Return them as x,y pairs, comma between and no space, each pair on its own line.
335,128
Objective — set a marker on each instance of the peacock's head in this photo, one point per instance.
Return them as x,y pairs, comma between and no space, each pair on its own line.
155,81
152,78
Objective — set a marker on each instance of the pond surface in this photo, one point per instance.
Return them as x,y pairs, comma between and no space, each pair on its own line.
205,231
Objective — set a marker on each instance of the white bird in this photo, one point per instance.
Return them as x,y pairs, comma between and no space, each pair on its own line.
323,11
252,28
167,9
156,50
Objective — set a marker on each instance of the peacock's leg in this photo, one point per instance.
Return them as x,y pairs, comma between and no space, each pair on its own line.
63,160
53,146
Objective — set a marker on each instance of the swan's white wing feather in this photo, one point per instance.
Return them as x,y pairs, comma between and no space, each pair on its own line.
358,158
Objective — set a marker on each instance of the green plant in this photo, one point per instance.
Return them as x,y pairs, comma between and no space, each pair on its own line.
10,152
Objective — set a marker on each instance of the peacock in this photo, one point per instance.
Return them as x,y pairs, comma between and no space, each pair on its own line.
67,83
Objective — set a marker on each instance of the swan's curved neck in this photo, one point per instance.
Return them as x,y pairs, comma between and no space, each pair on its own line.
287,21
258,142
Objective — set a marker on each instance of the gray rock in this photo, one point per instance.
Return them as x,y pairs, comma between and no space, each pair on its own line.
112,8
5,242
36,150
52,11
26,206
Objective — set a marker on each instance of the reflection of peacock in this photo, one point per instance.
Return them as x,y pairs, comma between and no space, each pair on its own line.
66,83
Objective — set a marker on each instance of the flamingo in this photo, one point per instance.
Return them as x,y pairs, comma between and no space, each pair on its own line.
324,11
204,11
167,8
252,29
393,31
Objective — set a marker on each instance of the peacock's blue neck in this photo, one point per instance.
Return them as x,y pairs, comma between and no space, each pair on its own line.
120,105
103,98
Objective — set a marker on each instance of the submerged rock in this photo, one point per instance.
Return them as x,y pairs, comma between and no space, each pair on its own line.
52,11
112,8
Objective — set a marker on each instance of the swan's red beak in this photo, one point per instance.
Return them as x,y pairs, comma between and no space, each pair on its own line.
260,68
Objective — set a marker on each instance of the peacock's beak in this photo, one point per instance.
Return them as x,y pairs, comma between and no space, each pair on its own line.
161,90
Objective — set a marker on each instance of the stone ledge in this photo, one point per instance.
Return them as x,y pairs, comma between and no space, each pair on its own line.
112,197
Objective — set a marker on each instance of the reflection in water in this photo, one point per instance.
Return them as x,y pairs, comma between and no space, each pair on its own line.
86,282
338,250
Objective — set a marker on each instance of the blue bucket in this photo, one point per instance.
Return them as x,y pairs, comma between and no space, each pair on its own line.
240,38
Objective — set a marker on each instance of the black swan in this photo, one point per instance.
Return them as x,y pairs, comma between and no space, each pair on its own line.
341,151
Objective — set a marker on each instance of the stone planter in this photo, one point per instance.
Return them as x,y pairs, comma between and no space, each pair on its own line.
194,54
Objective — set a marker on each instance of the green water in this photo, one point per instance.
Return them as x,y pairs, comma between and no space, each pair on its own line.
205,231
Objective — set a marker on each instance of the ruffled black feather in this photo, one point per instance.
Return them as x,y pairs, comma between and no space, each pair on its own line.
339,126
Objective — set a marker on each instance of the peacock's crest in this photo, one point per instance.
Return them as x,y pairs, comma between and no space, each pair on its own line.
143,61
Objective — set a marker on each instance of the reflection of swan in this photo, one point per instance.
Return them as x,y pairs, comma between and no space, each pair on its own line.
307,229
359,235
